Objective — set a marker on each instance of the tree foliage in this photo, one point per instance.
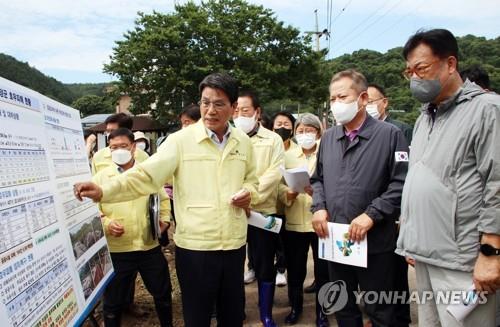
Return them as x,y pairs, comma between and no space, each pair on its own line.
165,57
92,104
385,70
22,73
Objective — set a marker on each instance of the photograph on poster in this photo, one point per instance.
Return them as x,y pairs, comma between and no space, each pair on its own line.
86,280
94,270
85,234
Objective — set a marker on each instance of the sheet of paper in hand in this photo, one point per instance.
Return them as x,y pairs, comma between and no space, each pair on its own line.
338,248
296,178
269,223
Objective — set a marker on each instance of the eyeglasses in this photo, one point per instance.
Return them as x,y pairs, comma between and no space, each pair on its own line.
419,70
375,100
217,105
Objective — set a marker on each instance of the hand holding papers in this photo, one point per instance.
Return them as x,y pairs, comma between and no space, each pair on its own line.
269,223
469,302
337,247
296,178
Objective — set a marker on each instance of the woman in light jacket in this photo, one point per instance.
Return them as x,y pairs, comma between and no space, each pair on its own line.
299,233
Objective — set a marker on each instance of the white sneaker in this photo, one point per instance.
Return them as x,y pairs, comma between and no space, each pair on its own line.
249,276
280,279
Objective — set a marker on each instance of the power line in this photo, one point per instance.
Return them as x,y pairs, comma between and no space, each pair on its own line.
370,25
329,9
343,9
410,12
375,12
330,13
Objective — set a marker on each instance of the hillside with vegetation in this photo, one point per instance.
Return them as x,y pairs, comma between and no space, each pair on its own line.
380,68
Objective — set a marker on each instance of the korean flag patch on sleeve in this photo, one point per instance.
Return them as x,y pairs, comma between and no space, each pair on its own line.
401,156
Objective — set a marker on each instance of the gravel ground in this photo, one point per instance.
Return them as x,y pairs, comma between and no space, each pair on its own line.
144,301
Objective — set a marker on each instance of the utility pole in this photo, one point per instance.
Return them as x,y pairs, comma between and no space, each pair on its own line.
317,30
317,33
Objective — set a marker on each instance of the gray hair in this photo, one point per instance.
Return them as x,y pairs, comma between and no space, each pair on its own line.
359,83
309,119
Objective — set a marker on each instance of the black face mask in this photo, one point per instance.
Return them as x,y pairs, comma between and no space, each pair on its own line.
285,133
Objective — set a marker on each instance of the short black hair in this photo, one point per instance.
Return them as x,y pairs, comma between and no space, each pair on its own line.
286,114
223,82
379,88
192,111
122,132
477,75
253,96
122,119
442,43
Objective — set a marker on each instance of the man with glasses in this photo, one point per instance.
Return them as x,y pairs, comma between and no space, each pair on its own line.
212,166
450,213
377,108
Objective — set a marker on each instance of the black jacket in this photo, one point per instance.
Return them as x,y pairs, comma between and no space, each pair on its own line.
405,128
365,175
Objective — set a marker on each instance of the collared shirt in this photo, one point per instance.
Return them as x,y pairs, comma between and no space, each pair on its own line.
204,180
102,159
132,214
220,144
366,176
121,170
254,131
351,135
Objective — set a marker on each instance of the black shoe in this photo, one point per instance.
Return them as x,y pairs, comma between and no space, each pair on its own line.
322,320
311,288
112,319
293,317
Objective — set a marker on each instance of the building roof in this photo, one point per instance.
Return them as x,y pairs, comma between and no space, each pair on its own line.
141,123
95,119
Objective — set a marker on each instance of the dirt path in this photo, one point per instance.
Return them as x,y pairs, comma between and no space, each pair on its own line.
280,310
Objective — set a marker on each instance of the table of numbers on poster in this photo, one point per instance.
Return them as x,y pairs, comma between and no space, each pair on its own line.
19,167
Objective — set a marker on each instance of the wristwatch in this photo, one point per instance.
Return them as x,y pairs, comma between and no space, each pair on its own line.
488,250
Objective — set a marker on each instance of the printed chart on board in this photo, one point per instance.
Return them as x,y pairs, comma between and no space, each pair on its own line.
54,260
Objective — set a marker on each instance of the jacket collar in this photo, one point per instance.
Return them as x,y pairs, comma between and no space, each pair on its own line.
465,93
365,131
200,131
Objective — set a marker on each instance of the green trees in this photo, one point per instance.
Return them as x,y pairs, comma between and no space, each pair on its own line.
385,69
92,104
22,73
165,57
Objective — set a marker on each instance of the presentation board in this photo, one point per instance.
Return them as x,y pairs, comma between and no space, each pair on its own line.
54,260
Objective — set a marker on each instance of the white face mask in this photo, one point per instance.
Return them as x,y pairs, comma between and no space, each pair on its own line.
306,141
372,110
121,156
344,112
141,145
246,124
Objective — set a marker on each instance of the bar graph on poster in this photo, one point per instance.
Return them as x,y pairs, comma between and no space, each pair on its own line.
54,260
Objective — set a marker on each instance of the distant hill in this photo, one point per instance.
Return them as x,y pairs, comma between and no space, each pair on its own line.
80,89
22,73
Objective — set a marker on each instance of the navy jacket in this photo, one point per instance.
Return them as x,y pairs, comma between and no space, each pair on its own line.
363,176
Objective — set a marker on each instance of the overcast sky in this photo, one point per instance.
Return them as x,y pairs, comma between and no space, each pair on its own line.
70,40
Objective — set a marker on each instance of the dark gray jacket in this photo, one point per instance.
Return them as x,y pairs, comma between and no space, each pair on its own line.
365,176
452,192
405,128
